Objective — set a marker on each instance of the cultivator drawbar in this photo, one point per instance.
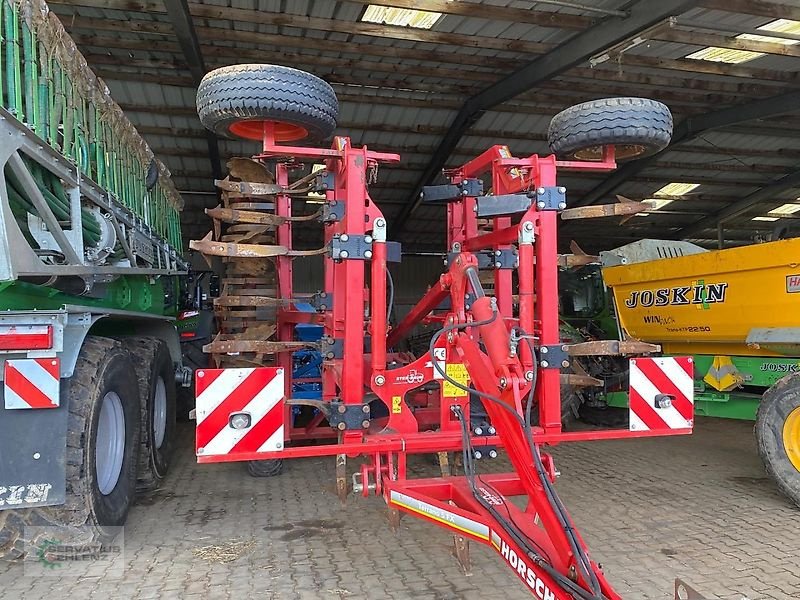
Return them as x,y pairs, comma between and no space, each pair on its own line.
491,377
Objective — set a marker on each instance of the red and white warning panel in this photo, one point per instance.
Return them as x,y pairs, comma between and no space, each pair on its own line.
661,393
31,383
239,411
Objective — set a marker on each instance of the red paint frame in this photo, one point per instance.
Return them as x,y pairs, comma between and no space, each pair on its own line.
424,421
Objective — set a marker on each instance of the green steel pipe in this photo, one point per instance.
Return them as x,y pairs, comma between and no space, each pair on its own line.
11,25
2,45
29,70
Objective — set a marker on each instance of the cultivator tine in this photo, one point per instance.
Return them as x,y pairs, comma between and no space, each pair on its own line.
232,346
578,258
248,169
610,348
341,477
394,520
230,215
461,552
444,463
685,592
249,301
249,188
232,249
578,380
625,207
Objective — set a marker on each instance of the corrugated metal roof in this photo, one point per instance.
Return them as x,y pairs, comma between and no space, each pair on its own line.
403,93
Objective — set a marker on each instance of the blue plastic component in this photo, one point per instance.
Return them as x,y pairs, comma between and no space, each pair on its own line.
307,364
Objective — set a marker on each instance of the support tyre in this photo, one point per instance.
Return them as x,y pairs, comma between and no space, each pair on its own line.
235,101
637,127
101,455
778,435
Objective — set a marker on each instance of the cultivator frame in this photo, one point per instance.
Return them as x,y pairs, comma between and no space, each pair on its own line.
511,359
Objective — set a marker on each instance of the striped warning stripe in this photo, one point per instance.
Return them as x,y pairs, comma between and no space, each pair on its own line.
222,392
31,383
651,378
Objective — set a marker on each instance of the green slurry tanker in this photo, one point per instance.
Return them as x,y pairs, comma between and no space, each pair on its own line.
90,275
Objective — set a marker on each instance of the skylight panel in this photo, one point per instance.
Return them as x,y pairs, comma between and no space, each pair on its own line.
785,209
401,17
733,56
724,55
670,190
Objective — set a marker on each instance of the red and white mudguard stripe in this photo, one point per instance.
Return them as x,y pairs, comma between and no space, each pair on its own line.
654,380
31,383
223,392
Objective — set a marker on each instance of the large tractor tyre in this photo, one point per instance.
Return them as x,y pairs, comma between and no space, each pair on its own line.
778,434
637,127
155,373
101,456
265,468
235,102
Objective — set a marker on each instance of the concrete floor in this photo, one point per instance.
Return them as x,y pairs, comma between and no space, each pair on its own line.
699,508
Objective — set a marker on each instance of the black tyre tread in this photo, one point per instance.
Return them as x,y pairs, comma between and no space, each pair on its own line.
242,92
775,405
76,511
265,468
144,350
611,121
571,402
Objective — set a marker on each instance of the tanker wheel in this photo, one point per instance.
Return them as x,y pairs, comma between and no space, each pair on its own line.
637,127
265,468
157,397
236,101
101,456
778,434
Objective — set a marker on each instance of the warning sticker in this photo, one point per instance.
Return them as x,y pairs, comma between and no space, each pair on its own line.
457,372
397,404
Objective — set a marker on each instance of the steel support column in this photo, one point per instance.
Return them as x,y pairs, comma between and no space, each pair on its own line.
181,19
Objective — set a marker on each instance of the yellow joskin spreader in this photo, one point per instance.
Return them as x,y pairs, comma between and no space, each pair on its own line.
737,312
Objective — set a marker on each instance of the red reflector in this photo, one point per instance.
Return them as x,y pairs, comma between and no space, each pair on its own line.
26,337
187,334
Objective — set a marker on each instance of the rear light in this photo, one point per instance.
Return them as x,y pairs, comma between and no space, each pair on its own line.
26,337
187,334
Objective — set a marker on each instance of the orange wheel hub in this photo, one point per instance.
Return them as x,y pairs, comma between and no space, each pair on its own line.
254,130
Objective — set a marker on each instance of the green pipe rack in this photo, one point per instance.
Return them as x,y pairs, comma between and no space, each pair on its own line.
47,86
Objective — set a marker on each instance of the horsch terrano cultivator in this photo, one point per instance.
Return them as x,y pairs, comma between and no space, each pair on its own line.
491,377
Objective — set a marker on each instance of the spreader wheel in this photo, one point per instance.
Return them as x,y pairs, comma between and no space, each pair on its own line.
778,434
236,101
637,127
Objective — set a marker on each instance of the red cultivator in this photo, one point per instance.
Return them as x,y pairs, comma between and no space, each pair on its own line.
490,380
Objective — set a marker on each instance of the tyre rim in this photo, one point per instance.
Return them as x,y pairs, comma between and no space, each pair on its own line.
110,445
621,152
159,413
791,437
253,129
